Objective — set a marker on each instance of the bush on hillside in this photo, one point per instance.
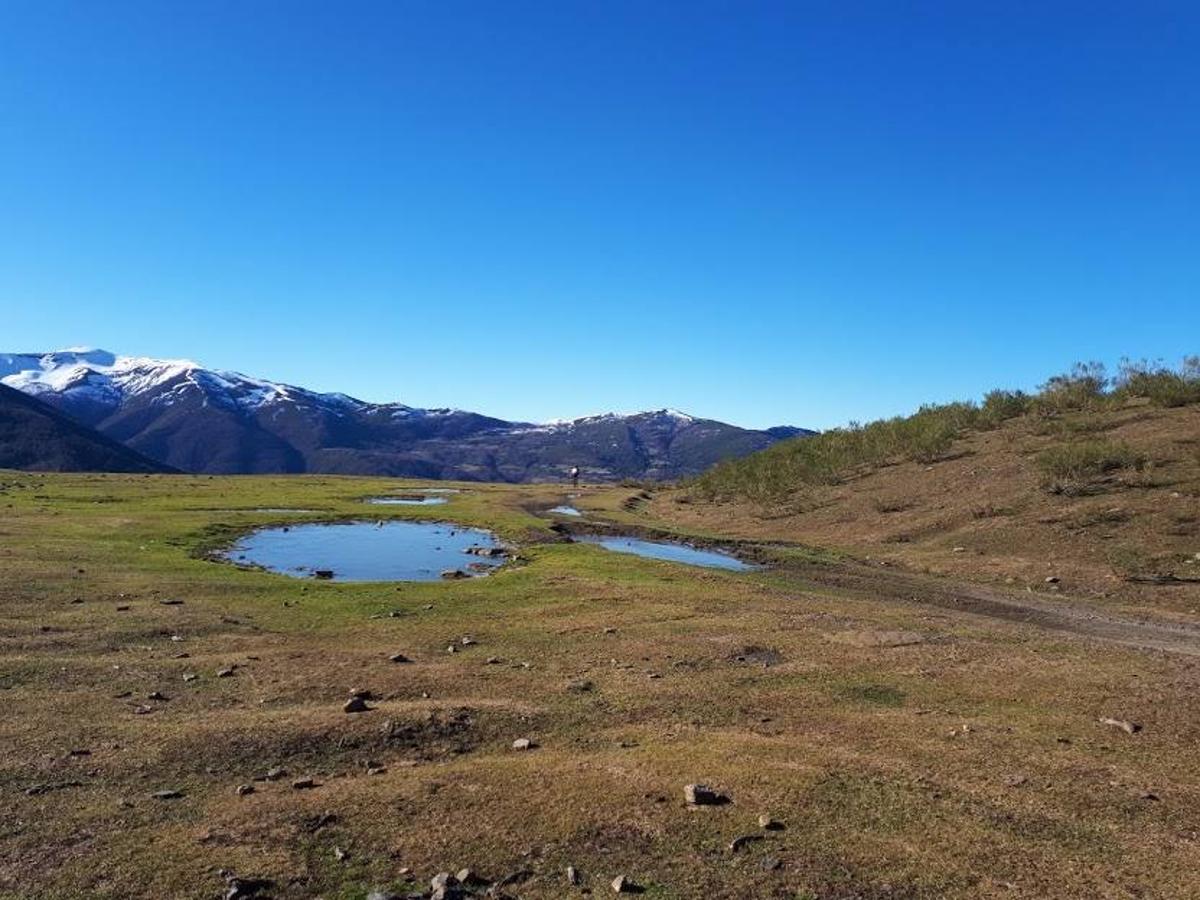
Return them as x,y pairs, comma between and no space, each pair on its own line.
1159,384
1069,465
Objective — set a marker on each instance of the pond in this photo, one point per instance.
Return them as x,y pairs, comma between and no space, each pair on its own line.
671,552
428,500
565,511
370,551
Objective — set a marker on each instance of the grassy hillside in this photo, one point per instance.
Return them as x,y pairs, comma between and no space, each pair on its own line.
1091,481
929,434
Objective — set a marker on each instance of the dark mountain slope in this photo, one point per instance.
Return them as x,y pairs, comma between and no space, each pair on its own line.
35,437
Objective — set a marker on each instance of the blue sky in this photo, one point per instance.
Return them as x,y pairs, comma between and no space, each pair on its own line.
765,213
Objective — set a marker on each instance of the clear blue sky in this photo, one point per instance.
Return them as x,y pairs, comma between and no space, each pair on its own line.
765,213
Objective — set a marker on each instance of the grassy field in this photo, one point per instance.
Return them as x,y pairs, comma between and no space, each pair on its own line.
908,746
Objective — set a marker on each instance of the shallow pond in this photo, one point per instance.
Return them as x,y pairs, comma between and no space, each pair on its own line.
431,500
671,552
565,511
367,551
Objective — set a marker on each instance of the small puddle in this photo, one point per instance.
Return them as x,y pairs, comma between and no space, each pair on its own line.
368,551
431,500
565,511
671,552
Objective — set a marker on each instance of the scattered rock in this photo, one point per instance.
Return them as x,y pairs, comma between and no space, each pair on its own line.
376,770
399,658
171,602
244,789
580,686
303,784
167,795
1125,726
157,695
356,704
274,774
190,676
742,840
523,744
340,855
769,824
622,885
573,876
323,574
1052,579
246,888
702,795
225,673
454,574
468,641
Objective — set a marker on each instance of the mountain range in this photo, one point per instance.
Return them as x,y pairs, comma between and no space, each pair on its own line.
188,417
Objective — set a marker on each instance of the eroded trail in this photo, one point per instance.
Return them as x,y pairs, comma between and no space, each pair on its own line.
1065,614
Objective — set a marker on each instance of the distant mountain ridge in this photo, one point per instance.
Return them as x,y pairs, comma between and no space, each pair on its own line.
209,421
36,437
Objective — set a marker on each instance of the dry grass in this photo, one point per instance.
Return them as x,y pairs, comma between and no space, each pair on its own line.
967,762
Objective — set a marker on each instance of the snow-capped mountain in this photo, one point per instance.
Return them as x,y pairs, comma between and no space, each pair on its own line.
204,420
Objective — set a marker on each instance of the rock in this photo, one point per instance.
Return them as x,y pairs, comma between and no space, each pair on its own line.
157,695
303,784
580,686
190,676
767,823
702,795
1014,780
451,649
340,855
742,840
610,630
244,789
572,876
356,705
169,794
443,886
494,660
453,574
246,888
399,658
958,550
468,641
171,602
324,574
225,673
1052,579
467,877
275,774
1127,727
622,885
376,770
523,744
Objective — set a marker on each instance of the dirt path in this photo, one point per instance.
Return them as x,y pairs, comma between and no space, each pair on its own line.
1067,614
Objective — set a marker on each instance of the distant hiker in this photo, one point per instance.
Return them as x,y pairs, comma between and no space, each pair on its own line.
575,475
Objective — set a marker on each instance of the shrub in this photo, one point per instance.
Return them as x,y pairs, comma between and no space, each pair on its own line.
1159,384
1069,465
999,406
1081,388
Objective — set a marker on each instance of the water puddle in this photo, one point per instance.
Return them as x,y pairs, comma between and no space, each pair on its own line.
429,500
368,551
565,511
671,552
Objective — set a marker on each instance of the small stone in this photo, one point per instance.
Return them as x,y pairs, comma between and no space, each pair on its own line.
958,550
1052,579
340,855
225,673
303,784
1015,780
742,840
1125,726
356,705
622,885
523,744
157,695
769,824
376,770
171,602
166,795
701,795
468,641
466,876
580,686
190,676
572,876
275,774
399,658
610,630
